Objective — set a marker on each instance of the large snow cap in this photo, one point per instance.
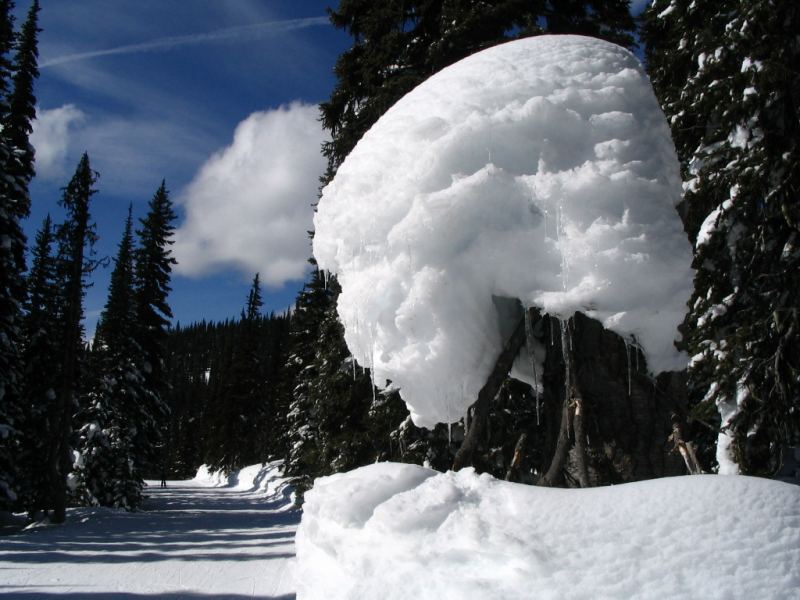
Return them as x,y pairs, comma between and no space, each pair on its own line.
541,169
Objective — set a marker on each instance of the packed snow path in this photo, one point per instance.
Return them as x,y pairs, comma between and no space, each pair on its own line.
191,541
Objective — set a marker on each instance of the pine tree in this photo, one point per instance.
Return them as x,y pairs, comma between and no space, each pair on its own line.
153,271
18,122
41,358
302,459
733,109
16,164
108,468
76,237
248,393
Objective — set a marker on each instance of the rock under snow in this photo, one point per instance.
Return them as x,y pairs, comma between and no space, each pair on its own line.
542,170
402,531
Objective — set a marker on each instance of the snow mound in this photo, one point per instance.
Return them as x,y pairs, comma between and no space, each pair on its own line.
542,170
400,531
264,479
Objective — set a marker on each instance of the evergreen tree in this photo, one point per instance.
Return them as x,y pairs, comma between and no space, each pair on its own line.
302,463
153,271
76,237
16,164
108,470
18,121
733,108
239,401
41,358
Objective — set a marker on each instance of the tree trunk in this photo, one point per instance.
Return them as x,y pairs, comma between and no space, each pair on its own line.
514,469
480,410
550,478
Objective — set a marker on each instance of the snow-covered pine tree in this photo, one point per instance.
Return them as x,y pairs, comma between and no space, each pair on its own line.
10,410
41,358
302,437
17,111
76,237
153,259
108,468
732,103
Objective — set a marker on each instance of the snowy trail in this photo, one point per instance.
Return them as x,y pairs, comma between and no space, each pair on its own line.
190,541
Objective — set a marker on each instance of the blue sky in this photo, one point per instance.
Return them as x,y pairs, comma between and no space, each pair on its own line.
216,97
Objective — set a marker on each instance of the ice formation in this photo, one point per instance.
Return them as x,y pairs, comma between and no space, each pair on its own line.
395,531
540,170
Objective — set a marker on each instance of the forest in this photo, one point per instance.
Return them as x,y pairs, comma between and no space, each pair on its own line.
84,422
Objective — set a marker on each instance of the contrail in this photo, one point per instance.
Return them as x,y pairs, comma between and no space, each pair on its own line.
167,43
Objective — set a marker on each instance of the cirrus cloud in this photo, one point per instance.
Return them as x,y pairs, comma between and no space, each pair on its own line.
249,205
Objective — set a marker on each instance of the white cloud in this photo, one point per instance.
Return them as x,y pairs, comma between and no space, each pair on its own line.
249,205
51,134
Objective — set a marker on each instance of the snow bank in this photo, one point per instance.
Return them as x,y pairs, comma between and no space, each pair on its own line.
262,479
401,531
541,169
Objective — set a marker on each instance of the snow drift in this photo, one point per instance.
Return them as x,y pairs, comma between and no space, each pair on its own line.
541,170
402,531
264,480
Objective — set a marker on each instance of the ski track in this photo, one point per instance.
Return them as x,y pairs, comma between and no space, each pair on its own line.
190,541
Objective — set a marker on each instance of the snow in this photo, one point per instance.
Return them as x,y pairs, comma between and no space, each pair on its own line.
210,537
395,531
540,170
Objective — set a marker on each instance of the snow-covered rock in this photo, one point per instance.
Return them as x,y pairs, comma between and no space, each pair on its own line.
541,169
401,531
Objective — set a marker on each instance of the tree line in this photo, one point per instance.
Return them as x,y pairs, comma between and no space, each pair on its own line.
80,423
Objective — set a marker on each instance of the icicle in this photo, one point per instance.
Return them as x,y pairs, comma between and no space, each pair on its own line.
529,346
353,360
466,421
372,371
550,321
565,353
449,433
628,359
538,408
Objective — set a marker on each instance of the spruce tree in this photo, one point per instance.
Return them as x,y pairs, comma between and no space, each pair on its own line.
16,164
76,237
10,410
154,263
302,458
18,122
108,468
733,109
41,358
